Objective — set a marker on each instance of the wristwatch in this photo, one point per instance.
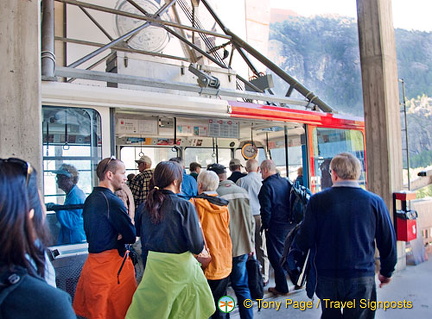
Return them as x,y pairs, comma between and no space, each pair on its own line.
150,38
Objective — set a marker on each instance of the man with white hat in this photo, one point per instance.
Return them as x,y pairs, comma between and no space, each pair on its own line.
71,220
140,184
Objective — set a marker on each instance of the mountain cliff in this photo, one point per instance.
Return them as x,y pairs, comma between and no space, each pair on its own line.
323,54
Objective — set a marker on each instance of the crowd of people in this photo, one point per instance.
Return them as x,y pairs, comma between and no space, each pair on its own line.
177,216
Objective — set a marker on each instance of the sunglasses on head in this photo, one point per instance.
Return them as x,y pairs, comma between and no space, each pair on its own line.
112,158
27,168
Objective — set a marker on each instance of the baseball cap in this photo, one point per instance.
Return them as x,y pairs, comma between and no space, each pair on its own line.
67,170
217,168
234,162
144,159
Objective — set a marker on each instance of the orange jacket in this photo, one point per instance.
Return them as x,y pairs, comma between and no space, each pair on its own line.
214,219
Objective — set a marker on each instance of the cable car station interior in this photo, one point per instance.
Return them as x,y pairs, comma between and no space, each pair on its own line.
86,80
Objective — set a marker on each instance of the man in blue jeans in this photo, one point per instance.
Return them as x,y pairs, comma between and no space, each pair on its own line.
342,225
241,231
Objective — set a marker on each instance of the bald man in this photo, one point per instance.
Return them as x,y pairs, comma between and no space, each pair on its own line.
252,182
276,223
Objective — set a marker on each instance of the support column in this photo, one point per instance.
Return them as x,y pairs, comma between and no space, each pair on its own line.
20,101
381,100
47,51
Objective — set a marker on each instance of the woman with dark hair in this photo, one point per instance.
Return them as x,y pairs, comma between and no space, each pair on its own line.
42,231
23,291
173,285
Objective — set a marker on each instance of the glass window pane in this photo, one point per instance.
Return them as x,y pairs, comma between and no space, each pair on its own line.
330,142
206,156
278,155
70,136
128,154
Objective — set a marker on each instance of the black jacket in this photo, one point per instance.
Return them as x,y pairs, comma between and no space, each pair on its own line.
105,217
274,201
342,226
236,175
178,232
29,297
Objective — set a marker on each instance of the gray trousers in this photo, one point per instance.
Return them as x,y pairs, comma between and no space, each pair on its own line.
261,249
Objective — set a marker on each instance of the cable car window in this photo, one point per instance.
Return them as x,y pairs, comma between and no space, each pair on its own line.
330,142
206,156
278,156
129,154
72,146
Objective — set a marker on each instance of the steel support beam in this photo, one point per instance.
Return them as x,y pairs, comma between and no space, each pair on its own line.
169,85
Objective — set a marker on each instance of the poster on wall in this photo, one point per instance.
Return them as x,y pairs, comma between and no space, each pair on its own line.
192,129
132,126
224,128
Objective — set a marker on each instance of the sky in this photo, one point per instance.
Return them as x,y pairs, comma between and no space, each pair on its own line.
407,14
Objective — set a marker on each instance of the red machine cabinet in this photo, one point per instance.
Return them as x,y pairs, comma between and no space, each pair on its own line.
404,219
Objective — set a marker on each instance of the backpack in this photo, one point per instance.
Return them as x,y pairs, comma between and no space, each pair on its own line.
298,197
295,261
255,281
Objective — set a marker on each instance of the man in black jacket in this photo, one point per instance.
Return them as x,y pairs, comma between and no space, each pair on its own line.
275,216
108,275
342,225
235,168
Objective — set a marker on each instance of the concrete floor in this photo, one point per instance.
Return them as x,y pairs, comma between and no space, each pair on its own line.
412,286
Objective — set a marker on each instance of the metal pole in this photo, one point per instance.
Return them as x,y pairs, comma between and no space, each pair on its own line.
309,95
208,56
96,23
134,80
161,10
47,46
154,21
217,150
286,150
238,42
406,133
